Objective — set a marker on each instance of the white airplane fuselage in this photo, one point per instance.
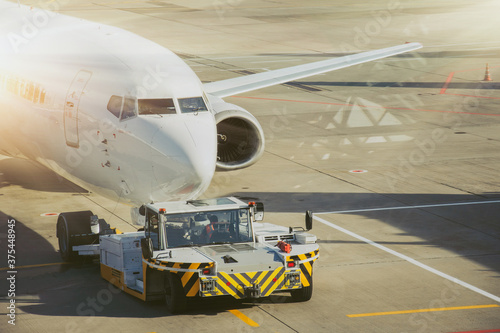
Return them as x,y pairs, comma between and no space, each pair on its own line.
56,84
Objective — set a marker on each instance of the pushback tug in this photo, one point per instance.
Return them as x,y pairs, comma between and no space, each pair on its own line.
200,248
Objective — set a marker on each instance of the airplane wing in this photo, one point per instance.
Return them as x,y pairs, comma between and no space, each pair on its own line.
251,82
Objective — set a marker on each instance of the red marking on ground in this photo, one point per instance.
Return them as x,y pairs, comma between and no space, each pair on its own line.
450,77
447,83
358,171
49,214
368,106
485,331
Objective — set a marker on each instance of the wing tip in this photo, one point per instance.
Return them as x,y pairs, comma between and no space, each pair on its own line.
417,44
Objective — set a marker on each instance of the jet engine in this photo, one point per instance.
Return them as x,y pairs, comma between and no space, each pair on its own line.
239,135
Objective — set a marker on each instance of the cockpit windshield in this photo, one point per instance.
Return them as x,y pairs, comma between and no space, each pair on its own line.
126,107
122,107
192,104
156,106
195,229
115,105
128,110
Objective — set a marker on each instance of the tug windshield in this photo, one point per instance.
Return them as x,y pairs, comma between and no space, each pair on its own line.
218,227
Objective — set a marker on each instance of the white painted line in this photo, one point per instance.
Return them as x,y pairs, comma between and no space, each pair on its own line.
409,207
410,260
462,44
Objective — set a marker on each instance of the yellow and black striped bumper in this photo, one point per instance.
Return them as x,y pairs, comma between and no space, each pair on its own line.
241,285
254,284
188,273
305,261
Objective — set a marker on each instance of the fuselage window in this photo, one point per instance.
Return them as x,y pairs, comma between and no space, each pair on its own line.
128,108
30,91
37,94
156,106
22,88
42,97
115,105
14,86
192,104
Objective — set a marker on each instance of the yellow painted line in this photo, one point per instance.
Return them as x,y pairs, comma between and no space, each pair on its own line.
33,266
423,310
244,318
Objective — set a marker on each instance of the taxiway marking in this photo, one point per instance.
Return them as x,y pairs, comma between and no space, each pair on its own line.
34,266
483,331
409,207
450,77
447,83
423,310
244,318
410,260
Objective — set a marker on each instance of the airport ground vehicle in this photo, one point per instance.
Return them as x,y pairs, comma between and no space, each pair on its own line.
201,248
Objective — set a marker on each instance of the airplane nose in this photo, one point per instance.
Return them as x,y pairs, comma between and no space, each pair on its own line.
184,153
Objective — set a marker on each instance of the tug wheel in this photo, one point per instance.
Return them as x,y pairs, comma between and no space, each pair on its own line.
64,244
73,228
175,298
303,294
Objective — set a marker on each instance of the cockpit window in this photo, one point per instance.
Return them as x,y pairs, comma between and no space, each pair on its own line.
125,107
128,108
192,104
115,105
156,106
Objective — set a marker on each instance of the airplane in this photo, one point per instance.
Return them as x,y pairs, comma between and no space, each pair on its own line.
122,116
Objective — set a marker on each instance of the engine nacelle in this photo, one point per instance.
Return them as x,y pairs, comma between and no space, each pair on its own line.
239,135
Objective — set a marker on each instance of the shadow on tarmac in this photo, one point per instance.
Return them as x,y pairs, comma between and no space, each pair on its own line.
34,176
398,84
320,202
468,230
30,247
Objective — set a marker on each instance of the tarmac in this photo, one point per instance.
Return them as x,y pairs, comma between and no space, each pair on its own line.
398,158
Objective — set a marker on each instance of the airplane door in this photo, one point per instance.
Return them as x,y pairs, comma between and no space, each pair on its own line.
72,105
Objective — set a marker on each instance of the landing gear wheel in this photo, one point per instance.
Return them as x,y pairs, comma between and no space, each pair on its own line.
174,294
303,294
